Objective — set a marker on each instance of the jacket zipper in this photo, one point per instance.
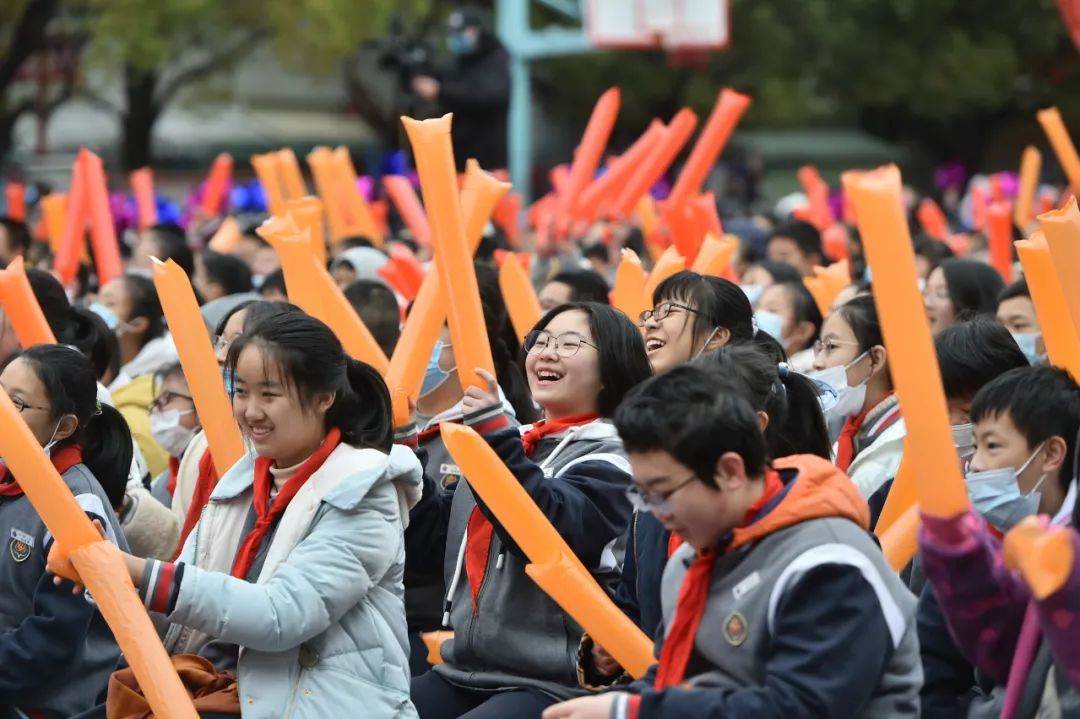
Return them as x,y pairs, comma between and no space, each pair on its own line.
295,692
185,632
637,567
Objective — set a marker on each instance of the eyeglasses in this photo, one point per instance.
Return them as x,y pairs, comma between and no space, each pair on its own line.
661,312
22,406
656,502
566,345
221,342
165,398
831,345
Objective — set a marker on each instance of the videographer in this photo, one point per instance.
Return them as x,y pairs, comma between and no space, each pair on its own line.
476,89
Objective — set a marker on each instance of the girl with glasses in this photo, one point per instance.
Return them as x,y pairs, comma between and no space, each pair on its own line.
513,648
55,648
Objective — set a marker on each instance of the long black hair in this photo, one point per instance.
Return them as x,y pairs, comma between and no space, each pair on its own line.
142,295
717,303
102,433
796,424
623,362
75,326
311,359
973,287
804,308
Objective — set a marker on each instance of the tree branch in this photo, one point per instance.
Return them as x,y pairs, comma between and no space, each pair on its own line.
28,38
227,55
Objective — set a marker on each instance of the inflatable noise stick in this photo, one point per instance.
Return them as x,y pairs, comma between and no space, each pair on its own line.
520,297
142,186
215,192
1051,305
930,456
1030,167
22,308
1062,230
1055,130
629,296
900,541
554,566
669,263
729,108
98,563
589,152
199,364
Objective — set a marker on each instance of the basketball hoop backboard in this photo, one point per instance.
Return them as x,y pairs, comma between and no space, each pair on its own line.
672,24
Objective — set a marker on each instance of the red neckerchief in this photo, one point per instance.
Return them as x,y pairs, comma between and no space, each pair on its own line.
845,444
267,512
675,655
204,487
174,469
62,459
480,530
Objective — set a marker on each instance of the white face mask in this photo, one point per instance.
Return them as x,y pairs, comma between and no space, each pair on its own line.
995,494
169,433
964,440
838,398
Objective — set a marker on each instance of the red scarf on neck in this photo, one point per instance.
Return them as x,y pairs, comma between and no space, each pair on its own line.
694,593
267,512
845,444
478,544
62,459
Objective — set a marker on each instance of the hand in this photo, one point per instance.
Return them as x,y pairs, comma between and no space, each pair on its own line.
426,88
59,563
604,664
594,707
476,398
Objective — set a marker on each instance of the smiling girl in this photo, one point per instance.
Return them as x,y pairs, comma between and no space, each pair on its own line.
513,648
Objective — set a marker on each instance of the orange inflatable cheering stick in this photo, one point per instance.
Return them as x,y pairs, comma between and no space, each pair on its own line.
479,197
15,200
593,201
322,163
1062,230
929,455
1054,127
66,262
308,214
653,166
142,186
629,295
199,364
216,190
1043,555
438,181
1030,167
226,236
588,153
554,566
408,206
98,563
102,230
727,111
714,257
520,297
291,177
932,219
1051,305
999,228
54,208
360,219
269,174
22,308
669,263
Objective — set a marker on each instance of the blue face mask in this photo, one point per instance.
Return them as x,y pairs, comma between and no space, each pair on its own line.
435,375
771,324
230,383
1026,341
995,494
109,317
461,44
753,292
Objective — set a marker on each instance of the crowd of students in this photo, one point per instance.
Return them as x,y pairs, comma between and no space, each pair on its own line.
718,464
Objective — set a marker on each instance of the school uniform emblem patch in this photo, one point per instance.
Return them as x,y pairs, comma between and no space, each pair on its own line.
735,629
20,546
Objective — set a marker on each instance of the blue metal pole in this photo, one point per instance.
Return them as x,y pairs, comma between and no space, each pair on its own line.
520,129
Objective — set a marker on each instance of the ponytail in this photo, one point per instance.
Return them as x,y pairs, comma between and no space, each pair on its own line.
803,430
362,409
89,334
107,451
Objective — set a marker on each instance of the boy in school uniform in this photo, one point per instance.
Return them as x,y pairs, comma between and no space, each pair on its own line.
778,603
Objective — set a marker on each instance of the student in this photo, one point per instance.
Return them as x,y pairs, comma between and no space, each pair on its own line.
764,274
15,240
512,651
291,581
166,242
789,313
218,275
258,255
272,288
787,408
574,286
960,289
357,263
970,356
692,314
56,652
1016,311
798,244
377,306
929,253
851,362
1026,424
196,475
131,308
779,603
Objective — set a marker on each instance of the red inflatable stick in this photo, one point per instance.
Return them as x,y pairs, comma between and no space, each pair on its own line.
102,229
142,186
66,262
657,162
932,219
15,200
216,189
999,227
600,193
408,205
588,154
727,111
817,191
1030,167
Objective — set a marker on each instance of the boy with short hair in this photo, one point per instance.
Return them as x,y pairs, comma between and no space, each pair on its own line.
1026,425
1016,312
778,604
